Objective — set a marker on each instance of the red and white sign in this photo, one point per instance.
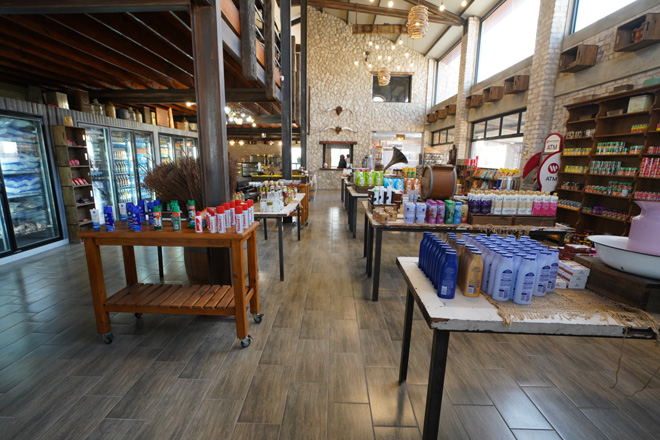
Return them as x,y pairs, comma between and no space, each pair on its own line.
552,143
548,172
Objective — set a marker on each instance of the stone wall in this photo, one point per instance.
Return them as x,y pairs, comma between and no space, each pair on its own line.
243,152
335,80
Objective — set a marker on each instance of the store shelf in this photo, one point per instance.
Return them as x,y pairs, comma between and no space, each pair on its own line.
570,190
82,205
581,121
649,178
616,155
17,215
79,166
651,154
86,222
77,147
624,115
572,173
575,155
83,186
607,136
604,216
608,195
578,139
611,176
567,209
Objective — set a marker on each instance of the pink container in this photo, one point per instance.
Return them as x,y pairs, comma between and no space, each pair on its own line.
644,235
431,211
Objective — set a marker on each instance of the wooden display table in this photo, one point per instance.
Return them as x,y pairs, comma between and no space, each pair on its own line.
279,216
352,196
463,314
374,227
141,298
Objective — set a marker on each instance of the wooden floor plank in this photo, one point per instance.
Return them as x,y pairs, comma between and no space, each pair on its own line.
214,420
266,397
349,420
305,412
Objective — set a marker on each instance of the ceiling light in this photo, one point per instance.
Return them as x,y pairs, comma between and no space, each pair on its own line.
390,3
241,142
405,54
230,119
464,3
254,124
442,6
189,104
400,42
263,135
232,142
239,121
370,65
380,57
398,67
279,143
377,47
411,64
371,43
389,58
250,119
393,47
242,115
355,62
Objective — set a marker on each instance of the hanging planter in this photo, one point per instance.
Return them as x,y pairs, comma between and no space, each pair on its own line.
418,22
383,76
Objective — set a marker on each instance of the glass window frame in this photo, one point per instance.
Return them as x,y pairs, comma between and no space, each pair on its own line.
574,16
437,68
501,117
392,76
446,137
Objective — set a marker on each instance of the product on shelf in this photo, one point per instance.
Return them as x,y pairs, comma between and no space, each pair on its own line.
571,185
619,189
606,212
647,195
639,128
569,204
577,169
605,148
467,162
577,134
653,150
650,167
512,203
610,168
576,151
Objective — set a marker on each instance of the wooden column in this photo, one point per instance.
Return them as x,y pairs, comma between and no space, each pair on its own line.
304,109
210,90
285,20
269,41
248,40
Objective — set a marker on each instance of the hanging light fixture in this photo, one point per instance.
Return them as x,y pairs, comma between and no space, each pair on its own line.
418,21
442,6
464,3
390,3
383,76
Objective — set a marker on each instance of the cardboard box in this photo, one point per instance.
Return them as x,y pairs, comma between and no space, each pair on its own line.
162,117
640,103
79,100
57,98
146,115
561,283
571,277
573,268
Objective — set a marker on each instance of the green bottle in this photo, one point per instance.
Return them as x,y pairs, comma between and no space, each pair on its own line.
176,218
158,218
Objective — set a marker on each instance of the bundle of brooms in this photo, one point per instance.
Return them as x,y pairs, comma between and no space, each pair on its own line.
182,180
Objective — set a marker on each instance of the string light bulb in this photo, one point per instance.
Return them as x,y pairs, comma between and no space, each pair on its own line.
369,65
241,142
355,62
393,47
442,6
400,42
380,57
464,3
254,124
371,43
232,142
389,58
377,46
405,54
390,3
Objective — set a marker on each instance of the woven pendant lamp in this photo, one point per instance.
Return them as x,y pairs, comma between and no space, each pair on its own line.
418,22
383,76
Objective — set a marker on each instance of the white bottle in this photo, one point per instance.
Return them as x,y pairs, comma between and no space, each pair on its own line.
503,279
543,272
487,259
498,200
524,288
554,267
492,276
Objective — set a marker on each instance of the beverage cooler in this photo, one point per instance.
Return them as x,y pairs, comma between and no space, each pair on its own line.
144,154
28,214
180,148
191,148
166,149
102,180
123,165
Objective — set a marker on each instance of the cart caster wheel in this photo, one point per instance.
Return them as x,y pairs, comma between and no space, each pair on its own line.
245,343
138,315
258,317
108,338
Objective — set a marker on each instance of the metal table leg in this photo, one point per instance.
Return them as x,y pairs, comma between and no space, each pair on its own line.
364,238
160,263
279,233
265,230
370,250
407,330
376,280
436,384
354,215
348,210
298,221
562,239
343,186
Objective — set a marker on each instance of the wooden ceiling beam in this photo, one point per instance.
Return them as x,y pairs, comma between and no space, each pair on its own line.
22,36
383,29
23,79
36,56
134,30
437,40
166,96
123,45
64,77
66,38
89,6
170,27
388,12
246,95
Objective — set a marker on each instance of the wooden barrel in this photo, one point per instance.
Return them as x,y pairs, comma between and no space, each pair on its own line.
438,182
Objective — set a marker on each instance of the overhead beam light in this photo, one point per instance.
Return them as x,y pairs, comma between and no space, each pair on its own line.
189,104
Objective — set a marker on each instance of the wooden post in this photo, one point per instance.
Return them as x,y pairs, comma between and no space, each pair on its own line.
248,40
285,20
269,40
210,88
304,109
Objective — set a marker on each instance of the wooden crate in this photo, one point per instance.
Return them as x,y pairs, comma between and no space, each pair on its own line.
638,33
493,93
578,58
451,109
516,84
473,101
490,219
534,220
442,113
620,286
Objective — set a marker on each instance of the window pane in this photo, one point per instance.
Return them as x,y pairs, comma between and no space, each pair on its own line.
450,135
504,153
590,11
436,138
479,129
493,127
446,82
443,136
522,122
510,124
398,90
508,36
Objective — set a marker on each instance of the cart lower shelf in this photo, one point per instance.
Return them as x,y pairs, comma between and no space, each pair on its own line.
175,299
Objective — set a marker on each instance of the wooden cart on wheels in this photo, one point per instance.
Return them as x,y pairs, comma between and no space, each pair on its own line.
141,298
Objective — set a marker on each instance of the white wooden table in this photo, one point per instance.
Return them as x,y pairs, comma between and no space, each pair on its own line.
294,205
464,314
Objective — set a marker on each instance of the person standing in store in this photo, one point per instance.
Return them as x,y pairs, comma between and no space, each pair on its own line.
342,162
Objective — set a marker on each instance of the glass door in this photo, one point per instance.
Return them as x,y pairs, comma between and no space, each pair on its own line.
97,149
5,243
191,148
144,153
180,148
27,182
166,149
123,166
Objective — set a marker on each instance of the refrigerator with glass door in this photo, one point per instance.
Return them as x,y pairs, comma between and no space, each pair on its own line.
166,149
144,159
27,204
191,147
123,166
180,148
99,162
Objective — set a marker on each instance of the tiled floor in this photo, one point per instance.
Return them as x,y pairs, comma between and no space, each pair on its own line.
323,363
